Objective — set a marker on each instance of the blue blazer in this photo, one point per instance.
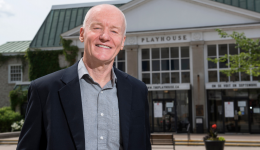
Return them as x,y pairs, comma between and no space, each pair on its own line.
54,117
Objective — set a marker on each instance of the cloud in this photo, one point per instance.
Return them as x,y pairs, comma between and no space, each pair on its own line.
5,9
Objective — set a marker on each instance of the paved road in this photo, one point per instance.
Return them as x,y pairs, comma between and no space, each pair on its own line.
12,147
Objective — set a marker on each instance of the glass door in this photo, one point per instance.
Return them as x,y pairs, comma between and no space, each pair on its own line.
215,110
242,114
254,110
164,115
230,116
236,115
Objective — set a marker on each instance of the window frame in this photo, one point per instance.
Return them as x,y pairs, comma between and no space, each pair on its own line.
9,73
116,60
218,69
180,70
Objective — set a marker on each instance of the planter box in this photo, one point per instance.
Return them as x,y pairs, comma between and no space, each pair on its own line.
214,145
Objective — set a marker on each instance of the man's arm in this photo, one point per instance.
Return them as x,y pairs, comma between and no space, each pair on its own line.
147,123
32,136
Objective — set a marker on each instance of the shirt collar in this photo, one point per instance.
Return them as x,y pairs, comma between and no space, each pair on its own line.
82,70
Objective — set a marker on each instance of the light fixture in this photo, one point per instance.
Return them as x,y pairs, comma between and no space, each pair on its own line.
250,107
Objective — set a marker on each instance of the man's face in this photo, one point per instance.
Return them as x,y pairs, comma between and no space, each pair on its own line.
103,35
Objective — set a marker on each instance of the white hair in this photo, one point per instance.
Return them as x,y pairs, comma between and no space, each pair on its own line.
86,17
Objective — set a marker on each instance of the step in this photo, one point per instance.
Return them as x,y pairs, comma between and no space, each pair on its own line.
227,143
8,142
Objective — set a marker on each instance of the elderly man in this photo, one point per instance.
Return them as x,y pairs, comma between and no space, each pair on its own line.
90,105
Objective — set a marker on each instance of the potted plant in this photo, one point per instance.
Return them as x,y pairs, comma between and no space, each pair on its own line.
212,141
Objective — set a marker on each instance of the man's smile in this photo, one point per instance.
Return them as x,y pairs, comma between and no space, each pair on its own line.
103,46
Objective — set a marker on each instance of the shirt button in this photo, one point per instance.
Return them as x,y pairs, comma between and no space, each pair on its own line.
102,114
101,137
101,91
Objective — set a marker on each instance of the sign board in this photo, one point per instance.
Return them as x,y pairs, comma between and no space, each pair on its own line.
242,109
164,87
158,110
256,110
174,38
169,104
229,109
169,109
198,120
233,85
241,103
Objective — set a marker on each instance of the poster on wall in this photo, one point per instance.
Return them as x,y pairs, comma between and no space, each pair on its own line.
169,109
229,109
241,104
157,110
169,104
256,110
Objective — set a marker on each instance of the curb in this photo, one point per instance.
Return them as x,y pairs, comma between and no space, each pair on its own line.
9,134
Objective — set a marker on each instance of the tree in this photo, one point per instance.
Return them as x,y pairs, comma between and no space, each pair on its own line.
247,61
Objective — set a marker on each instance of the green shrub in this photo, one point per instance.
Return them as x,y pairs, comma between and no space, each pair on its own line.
17,97
221,138
7,117
42,62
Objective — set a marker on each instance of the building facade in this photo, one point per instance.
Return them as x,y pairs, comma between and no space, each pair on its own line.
167,47
12,70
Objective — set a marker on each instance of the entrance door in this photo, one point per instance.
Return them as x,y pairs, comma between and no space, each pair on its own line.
164,115
236,115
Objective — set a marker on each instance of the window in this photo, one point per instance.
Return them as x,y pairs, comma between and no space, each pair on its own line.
165,65
15,73
214,69
120,61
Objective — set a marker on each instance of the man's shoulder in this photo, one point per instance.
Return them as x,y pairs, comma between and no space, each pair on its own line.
49,79
56,78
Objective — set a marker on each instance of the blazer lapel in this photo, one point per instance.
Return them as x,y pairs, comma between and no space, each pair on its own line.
124,93
71,101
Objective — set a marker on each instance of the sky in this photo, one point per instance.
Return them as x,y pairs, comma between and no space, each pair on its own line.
21,19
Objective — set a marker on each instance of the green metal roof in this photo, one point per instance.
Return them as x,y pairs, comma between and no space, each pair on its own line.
253,5
59,21
14,47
